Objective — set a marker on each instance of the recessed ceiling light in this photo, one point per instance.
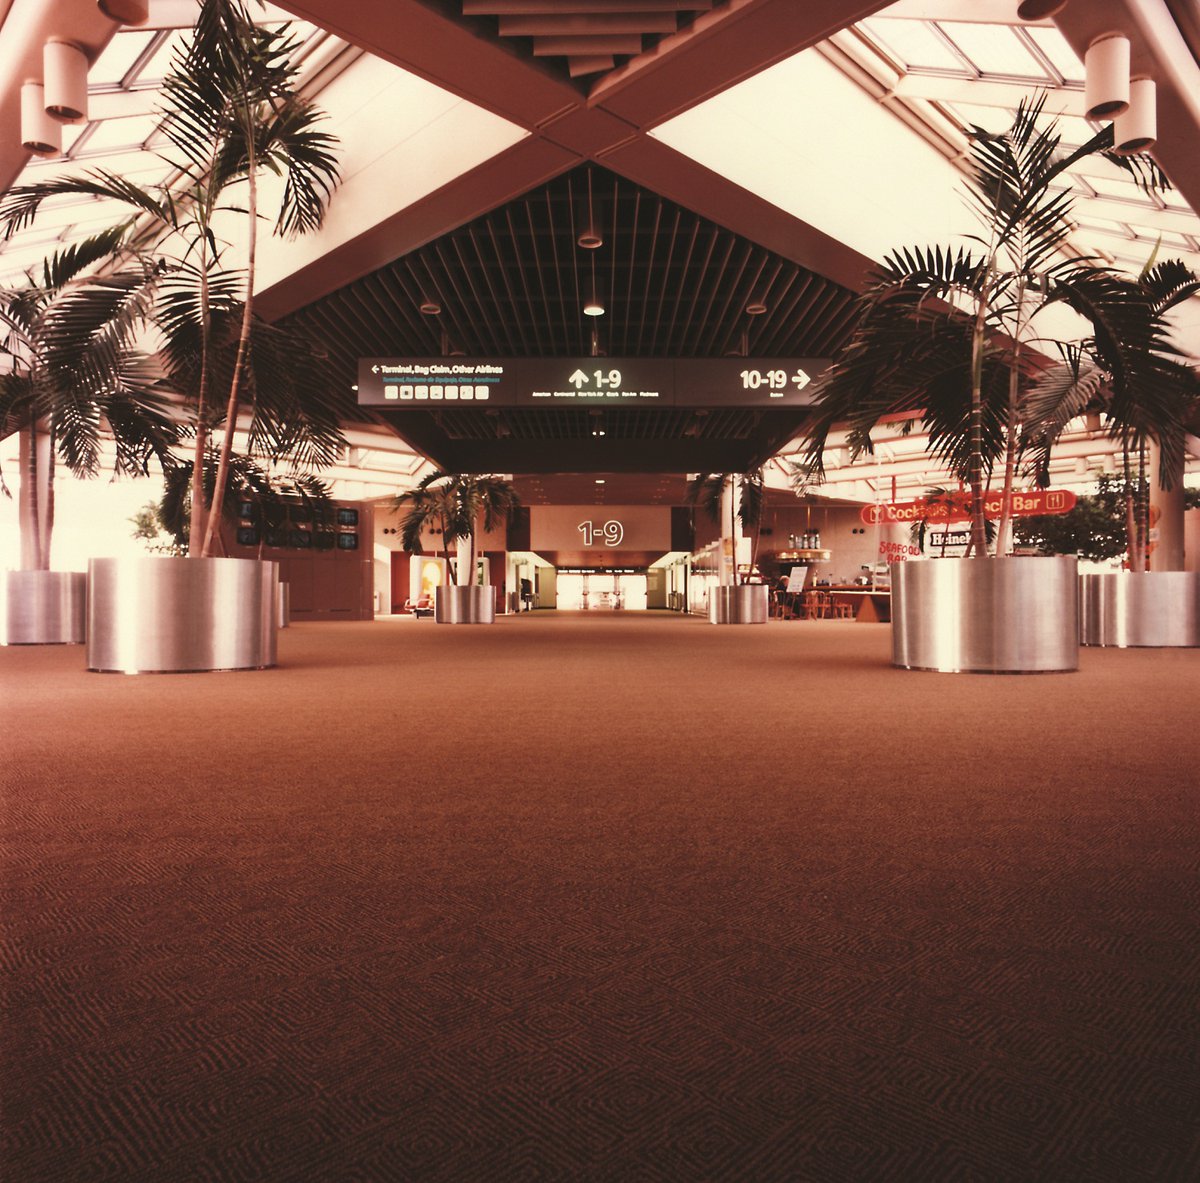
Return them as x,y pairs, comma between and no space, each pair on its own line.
600,481
593,308
431,308
755,308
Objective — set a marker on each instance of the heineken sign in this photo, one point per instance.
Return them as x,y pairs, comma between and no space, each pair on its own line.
425,383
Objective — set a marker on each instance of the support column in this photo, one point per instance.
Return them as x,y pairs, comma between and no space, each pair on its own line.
727,569
1167,523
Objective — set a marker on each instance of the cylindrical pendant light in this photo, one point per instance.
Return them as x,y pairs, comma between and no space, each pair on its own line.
125,12
1137,129
590,237
40,134
1106,91
64,71
1039,10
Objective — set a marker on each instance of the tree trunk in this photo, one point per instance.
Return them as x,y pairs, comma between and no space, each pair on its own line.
464,574
231,407
34,498
975,465
198,519
1004,532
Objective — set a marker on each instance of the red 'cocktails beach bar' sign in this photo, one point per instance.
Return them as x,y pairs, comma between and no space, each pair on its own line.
956,507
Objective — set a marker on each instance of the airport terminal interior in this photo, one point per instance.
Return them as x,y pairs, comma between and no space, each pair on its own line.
595,888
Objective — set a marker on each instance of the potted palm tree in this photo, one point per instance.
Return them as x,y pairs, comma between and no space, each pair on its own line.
73,377
455,505
735,502
1137,606
232,108
952,334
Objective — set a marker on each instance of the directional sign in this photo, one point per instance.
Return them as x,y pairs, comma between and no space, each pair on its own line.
606,381
424,383
747,381
957,507
420,382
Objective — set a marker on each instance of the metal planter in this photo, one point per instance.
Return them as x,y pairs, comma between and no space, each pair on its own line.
43,607
1013,615
176,615
1130,609
464,605
746,603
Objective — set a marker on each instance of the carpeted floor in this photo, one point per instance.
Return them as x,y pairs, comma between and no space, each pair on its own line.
596,898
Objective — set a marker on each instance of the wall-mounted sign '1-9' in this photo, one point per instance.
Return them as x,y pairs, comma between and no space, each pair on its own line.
610,534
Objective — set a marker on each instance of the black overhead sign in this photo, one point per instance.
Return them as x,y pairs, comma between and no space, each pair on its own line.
423,383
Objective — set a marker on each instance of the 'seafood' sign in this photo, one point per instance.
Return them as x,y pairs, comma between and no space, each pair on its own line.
957,507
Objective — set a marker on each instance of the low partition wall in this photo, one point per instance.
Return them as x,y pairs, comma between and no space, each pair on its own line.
1012,615
172,615
43,607
747,603
1130,609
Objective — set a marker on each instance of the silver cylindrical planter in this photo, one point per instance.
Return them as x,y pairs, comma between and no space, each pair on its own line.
999,616
1127,609
172,615
747,603
43,607
464,605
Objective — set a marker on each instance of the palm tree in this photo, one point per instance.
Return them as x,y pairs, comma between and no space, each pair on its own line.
747,494
246,481
948,333
75,375
231,109
455,504
1151,402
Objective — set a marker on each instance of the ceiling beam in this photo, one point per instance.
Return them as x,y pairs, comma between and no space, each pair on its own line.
977,92
587,25
528,7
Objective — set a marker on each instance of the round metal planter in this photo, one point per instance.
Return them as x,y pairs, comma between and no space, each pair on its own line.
43,607
747,603
173,615
464,605
994,616
1130,609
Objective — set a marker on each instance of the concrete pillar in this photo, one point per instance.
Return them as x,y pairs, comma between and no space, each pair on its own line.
729,547
1166,529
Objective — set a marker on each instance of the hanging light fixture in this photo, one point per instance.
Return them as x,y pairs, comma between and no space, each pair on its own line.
125,12
40,134
593,307
1136,129
1106,88
65,71
1039,10
590,237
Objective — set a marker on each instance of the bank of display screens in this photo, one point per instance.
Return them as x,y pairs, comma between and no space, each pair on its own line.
296,526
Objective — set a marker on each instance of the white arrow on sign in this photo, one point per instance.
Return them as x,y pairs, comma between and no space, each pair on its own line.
800,379
578,379
374,369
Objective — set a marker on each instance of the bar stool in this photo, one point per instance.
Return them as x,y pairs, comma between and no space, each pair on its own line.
840,610
815,605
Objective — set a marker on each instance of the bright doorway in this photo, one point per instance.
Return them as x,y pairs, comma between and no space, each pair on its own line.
601,591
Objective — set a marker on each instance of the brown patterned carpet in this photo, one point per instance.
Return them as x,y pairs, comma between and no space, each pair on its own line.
596,898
